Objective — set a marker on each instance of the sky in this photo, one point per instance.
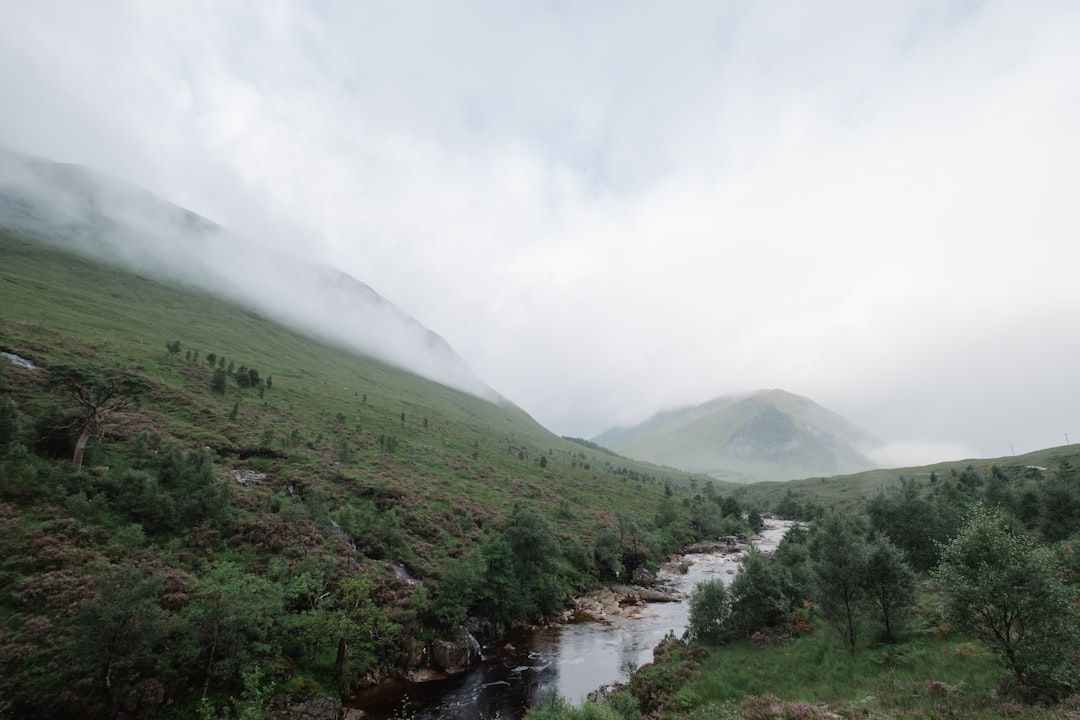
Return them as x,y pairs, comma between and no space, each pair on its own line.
613,208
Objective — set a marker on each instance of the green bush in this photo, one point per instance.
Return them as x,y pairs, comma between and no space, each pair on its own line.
710,613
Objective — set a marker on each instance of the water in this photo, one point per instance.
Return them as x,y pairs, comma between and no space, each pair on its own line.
573,660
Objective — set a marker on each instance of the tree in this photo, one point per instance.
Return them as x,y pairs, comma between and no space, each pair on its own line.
755,522
710,613
364,635
838,551
233,618
117,628
98,397
1005,591
762,593
1060,512
914,524
218,382
889,583
173,347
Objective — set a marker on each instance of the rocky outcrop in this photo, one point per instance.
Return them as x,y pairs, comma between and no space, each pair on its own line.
617,601
455,656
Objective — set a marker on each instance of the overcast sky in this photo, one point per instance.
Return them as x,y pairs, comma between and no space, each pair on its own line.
611,208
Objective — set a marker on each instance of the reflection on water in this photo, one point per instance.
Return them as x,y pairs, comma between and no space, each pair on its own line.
573,660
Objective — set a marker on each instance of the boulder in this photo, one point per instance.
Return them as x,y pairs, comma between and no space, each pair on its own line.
455,656
316,708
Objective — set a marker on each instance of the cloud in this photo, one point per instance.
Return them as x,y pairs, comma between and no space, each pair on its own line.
914,453
608,210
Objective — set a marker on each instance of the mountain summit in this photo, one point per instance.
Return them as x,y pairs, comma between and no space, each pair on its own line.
765,435
110,220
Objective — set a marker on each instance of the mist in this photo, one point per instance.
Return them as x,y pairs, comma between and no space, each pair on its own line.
114,222
608,211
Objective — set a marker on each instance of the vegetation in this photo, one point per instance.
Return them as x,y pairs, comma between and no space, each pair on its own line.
225,534
840,623
222,542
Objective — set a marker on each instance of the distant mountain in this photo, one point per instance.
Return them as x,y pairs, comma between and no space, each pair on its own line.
107,219
765,435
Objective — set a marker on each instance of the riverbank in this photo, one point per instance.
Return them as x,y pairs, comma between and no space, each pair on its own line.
593,643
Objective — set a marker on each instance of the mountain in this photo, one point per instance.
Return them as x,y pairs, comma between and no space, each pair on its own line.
104,218
765,435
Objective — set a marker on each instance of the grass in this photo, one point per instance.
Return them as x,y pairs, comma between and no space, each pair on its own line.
926,675
456,454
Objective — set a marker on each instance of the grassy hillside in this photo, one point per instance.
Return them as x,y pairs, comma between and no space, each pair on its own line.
351,469
452,448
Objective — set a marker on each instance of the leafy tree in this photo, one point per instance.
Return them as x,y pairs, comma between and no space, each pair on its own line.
233,619
1005,591
117,629
913,523
173,347
606,554
189,479
838,551
730,506
755,522
98,397
458,590
710,613
535,549
364,635
211,358
793,553
889,583
762,593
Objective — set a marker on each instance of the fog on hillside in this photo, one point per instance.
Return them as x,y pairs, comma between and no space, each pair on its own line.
108,219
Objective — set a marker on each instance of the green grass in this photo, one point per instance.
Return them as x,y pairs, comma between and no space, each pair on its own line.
926,675
457,454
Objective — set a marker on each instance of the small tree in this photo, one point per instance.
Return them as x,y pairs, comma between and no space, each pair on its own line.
762,593
838,549
889,583
710,613
218,382
97,395
1005,591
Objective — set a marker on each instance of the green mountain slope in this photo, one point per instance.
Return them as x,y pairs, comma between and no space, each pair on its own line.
267,527
454,449
767,435
104,218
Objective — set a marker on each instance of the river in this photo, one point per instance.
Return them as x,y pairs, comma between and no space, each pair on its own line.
572,660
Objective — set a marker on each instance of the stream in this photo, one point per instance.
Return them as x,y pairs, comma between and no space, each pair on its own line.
572,660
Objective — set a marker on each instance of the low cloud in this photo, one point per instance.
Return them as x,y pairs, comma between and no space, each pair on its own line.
918,452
